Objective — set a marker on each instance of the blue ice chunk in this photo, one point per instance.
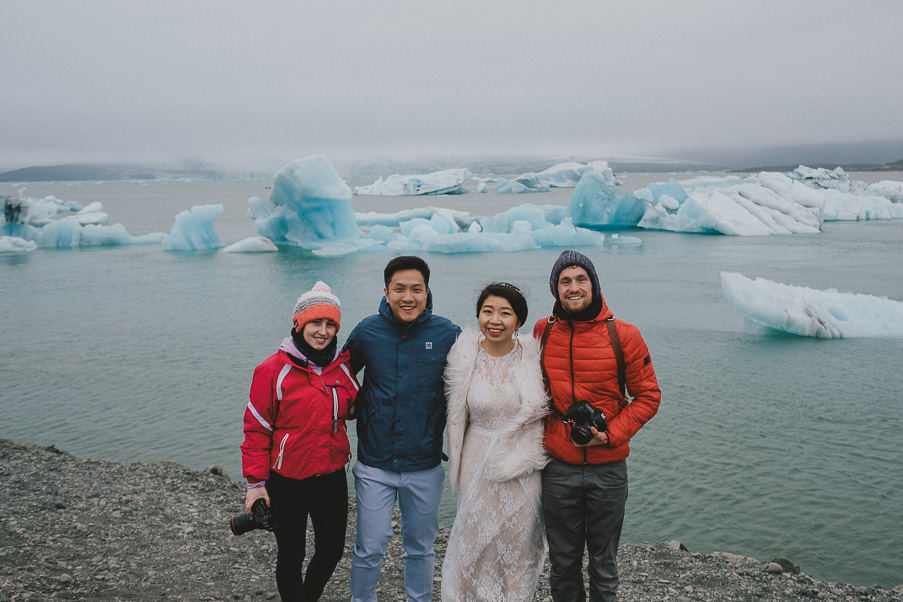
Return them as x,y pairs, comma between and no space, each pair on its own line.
193,230
309,206
60,234
565,235
671,188
597,205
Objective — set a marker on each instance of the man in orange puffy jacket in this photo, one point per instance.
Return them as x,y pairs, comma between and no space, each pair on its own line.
596,409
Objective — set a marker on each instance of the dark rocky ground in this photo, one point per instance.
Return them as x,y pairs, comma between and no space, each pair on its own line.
78,529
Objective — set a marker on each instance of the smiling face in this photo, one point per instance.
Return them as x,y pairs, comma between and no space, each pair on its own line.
406,295
497,319
319,333
575,289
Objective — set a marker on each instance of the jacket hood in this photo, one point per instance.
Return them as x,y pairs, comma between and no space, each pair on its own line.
386,311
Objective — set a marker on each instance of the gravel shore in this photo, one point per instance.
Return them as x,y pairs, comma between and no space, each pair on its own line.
80,529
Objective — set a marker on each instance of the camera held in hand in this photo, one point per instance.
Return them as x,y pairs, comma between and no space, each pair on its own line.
583,416
261,517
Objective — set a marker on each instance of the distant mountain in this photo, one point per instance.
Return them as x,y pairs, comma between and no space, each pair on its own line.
83,172
855,156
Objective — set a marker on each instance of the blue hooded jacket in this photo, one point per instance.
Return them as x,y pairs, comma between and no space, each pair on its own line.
400,408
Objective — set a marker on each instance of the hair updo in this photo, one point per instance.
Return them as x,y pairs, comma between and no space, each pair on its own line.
510,293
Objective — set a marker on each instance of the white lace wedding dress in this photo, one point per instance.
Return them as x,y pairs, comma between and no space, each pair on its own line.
496,545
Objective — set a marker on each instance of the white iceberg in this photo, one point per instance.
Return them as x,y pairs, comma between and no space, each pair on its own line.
889,189
840,206
372,218
810,312
193,230
309,206
770,203
14,244
447,181
252,244
562,175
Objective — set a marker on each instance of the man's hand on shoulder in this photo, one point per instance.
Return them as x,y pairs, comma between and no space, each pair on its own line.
598,438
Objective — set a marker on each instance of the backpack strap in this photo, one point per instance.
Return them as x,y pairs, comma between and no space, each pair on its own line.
619,356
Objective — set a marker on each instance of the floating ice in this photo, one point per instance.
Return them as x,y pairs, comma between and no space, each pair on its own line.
447,181
193,230
892,191
819,173
309,206
597,205
372,218
563,175
14,244
252,244
810,312
770,203
841,206
38,212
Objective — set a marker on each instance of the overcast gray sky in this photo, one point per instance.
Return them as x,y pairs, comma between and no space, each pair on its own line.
262,83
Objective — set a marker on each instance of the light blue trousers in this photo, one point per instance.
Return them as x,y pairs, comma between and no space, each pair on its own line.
418,494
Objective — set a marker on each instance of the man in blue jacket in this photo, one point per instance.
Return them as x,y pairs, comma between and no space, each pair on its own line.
401,418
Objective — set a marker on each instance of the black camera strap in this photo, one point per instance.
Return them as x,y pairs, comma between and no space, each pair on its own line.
619,360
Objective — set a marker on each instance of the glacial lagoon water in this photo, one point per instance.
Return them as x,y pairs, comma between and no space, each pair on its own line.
765,445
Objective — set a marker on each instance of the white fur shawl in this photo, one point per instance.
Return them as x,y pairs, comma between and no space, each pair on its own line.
519,446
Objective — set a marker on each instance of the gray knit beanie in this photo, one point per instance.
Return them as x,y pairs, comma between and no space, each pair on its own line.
570,258
317,303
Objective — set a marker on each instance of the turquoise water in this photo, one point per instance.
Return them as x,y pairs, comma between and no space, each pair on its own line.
765,444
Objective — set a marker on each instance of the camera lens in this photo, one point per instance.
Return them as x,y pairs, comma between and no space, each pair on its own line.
242,523
581,435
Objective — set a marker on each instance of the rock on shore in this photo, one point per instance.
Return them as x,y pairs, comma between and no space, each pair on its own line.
79,529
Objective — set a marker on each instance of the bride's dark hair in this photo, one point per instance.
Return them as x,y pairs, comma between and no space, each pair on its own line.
508,292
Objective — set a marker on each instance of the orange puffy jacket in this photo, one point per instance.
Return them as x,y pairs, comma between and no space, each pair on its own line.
580,363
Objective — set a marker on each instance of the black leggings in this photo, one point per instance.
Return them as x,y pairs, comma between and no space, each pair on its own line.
325,499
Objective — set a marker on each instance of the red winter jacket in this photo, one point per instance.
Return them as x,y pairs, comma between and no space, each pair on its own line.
594,378
295,420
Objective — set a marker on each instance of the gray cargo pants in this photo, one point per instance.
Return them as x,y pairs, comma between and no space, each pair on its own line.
583,507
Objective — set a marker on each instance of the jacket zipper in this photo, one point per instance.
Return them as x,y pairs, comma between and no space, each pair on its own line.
573,383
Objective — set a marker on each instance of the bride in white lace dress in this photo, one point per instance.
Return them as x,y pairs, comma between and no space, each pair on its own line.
496,402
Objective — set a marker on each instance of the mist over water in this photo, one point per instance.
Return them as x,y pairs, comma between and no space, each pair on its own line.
765,444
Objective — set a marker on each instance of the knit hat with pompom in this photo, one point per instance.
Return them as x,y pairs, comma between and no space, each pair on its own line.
316,304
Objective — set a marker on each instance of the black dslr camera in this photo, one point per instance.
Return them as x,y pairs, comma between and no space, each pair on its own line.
583,416
260,518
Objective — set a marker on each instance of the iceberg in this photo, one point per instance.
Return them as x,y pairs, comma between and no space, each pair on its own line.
39,212
562,175
193,230
889,189
252,244
309,207
14,244
596,204
840,206
810,312
447,181
373,218
769,203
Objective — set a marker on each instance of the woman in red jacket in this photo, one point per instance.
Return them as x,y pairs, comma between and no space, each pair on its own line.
296,443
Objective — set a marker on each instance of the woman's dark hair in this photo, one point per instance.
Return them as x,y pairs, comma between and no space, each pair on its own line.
510,293
406,262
